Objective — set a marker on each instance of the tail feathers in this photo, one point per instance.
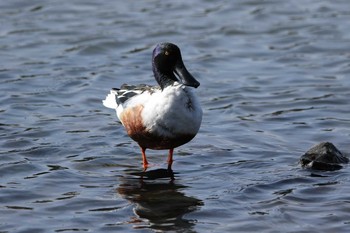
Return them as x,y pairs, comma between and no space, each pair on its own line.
111,100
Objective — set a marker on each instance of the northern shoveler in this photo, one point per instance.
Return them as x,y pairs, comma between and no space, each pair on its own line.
160,117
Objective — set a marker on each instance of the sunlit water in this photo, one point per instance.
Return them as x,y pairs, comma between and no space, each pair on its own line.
274,81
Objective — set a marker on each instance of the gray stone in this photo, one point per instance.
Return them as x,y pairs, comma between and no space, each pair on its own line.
323,156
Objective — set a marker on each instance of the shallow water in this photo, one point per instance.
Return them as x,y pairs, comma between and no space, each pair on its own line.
274,81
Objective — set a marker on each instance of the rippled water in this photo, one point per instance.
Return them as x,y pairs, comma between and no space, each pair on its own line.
274,81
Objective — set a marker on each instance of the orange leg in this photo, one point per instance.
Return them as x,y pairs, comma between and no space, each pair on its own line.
170,158
144,159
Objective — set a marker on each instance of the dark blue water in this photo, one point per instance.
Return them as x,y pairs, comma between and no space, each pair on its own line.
274,82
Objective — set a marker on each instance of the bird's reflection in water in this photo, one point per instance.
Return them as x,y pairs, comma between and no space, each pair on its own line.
159,202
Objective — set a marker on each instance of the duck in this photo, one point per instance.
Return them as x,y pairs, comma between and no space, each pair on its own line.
163,116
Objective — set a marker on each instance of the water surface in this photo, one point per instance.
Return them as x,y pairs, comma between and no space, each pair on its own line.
274,82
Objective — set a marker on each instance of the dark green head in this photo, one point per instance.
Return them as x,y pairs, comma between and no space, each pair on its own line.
168,66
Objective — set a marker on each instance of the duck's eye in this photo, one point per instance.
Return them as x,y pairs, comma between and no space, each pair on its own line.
166,52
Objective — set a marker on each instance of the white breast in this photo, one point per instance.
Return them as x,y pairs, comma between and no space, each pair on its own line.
175,110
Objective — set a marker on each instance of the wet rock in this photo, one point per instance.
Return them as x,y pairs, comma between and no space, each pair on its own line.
323,156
